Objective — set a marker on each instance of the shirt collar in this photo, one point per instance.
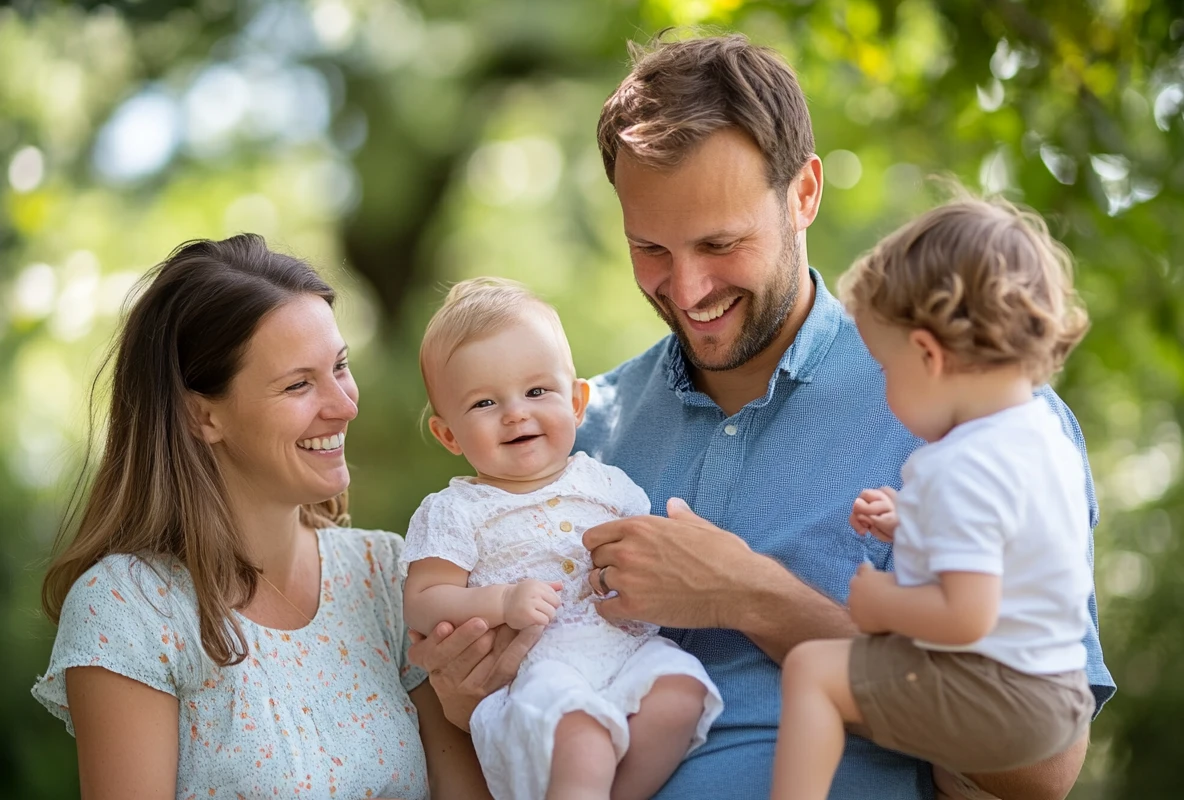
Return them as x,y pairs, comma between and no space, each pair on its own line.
800,360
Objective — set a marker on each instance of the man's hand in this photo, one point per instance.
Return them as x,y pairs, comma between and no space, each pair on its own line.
531,602
865,601
680,572
874,512
470,663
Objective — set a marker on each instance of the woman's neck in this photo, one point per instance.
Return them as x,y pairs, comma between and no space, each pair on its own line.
274,536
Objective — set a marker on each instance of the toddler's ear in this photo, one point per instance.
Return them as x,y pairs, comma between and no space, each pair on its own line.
581,390
932,354
444,435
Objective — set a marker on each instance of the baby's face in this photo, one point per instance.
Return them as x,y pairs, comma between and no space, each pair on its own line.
509,403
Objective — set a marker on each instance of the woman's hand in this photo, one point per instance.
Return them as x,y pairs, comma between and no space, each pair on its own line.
468,664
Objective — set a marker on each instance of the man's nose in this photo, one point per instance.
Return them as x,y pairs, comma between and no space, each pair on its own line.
689,281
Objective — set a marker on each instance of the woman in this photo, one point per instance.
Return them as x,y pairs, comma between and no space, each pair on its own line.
219,633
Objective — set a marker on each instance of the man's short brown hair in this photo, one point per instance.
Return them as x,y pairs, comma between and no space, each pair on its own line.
984,277
681,92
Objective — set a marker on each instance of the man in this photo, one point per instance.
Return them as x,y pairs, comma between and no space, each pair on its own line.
762,411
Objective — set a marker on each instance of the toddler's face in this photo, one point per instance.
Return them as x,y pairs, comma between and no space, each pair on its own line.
915,381
509,403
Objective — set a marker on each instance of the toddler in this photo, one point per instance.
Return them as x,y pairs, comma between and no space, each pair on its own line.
596,707
972,656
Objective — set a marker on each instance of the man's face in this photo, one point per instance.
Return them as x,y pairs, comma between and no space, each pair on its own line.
713,248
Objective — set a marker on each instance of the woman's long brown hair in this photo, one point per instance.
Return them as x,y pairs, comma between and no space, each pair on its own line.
158,491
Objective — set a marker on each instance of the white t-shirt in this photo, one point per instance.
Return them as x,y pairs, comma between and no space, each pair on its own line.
1005,495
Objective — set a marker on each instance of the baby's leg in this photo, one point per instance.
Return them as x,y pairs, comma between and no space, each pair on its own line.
659,735
815,702
583,762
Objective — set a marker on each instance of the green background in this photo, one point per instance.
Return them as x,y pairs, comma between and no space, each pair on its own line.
400,146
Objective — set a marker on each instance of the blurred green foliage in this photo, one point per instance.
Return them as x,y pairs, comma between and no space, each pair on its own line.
403,144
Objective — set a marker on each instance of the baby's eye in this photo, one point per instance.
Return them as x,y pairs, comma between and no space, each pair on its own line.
537,391
486,403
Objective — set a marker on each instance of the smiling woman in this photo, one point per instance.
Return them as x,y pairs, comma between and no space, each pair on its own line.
217,628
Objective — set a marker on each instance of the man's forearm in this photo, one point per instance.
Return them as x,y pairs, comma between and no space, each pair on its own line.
777,610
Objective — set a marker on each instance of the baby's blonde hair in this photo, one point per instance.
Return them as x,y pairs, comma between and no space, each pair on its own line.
475,309
984,277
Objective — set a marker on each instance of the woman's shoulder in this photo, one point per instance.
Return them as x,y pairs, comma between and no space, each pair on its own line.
362,546
139,582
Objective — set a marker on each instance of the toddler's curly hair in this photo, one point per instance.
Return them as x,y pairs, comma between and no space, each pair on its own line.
984,277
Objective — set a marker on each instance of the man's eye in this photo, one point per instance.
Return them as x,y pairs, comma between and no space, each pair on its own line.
537,391
720,247
650,249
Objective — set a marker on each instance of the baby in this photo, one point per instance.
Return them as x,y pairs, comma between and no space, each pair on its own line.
596,708
975,659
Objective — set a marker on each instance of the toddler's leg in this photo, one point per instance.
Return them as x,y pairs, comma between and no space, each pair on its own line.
659,735
815,702
583,762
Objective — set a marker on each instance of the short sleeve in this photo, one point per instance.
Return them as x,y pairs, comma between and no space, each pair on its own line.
109,621
617,488
410,675
970,514
439,528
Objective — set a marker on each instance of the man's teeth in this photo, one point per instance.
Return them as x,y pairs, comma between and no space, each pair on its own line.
712,313
331,443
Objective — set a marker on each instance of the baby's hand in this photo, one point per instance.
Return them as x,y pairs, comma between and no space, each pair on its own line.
874,512
531,602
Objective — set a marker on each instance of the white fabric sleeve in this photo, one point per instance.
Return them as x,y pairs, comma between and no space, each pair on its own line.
625,495
113,618
440,528
971,509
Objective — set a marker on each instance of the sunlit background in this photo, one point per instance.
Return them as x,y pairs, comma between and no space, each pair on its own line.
400,146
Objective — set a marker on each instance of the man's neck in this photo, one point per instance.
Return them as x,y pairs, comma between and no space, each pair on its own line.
735,388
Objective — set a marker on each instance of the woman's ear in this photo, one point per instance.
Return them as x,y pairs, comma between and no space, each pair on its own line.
581,391
203,418
933,356
444,435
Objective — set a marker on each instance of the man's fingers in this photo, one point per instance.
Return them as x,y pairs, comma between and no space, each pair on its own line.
502,669
610,609
600,535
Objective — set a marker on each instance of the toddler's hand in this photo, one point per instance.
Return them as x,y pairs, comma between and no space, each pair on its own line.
863,601
874,512
531,602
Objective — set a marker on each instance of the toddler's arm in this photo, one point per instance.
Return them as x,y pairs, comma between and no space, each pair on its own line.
436,590
959,610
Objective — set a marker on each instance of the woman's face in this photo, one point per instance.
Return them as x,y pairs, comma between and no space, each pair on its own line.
279,433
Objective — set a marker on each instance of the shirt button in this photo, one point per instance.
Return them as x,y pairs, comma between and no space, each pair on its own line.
554,501
730,430
569,566
565,526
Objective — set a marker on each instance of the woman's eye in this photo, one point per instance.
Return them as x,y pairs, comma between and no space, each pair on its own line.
537,391
296,386
340,366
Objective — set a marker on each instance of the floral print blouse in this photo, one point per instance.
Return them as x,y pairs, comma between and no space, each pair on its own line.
319,712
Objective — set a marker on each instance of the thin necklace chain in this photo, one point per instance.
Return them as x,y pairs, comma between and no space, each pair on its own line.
307,618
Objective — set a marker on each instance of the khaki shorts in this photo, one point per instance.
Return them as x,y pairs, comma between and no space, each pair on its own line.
964,711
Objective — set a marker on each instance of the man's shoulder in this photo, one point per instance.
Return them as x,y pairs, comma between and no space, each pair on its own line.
638,369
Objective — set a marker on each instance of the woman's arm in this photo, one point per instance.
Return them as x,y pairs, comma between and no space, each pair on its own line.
436,590
453,770
126,734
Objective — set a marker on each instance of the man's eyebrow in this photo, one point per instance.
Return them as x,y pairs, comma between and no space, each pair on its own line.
305,370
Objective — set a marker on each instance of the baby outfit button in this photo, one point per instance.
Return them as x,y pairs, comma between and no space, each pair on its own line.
565,526
554,501
730,430
569,566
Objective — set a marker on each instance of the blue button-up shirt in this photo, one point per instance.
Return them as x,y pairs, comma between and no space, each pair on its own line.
781,473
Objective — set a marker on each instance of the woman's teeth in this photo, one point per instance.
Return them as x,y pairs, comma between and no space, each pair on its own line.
331,443
714,312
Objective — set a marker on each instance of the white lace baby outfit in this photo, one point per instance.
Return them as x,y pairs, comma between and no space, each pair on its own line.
321,711
583,662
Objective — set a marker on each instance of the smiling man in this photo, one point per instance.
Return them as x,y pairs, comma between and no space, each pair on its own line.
762,410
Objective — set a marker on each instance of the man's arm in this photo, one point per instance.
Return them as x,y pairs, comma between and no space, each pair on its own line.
684,572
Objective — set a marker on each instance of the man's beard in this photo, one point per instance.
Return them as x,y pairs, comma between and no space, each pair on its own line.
764,315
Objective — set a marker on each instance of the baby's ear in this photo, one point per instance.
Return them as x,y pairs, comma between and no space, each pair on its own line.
444,435
933,356
581,391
